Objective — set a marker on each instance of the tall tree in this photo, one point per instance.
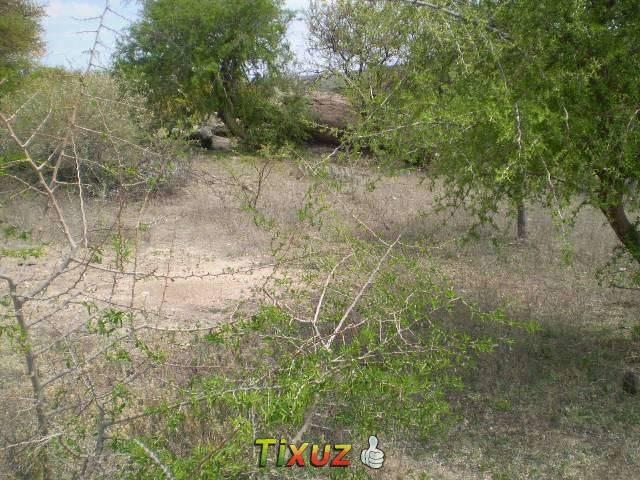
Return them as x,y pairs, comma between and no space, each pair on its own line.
352,37
20,31
194,57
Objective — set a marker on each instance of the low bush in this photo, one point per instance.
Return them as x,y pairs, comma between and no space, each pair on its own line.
109,139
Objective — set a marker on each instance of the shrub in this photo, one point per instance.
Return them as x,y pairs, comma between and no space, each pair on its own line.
376,350
110,137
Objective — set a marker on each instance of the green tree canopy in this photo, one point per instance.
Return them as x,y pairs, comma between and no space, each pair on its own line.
191,58
536,100
353,37
19,37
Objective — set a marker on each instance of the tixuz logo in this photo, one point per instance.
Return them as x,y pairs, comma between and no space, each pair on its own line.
306,454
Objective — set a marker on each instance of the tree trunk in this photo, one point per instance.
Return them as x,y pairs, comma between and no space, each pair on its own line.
626,231
230,122
522,222
225,87
34,376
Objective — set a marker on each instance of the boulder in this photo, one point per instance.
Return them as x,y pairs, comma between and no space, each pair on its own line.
224,144
216,125
331,112
209,140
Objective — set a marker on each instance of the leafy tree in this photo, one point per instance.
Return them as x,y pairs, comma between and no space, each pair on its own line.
365,46
19,37
194,57
521,100
353,37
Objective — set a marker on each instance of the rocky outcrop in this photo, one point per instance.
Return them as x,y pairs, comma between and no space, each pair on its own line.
217,126
332,113
213,135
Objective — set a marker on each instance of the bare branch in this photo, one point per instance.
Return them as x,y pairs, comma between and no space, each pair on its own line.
155,459
357,298
324,292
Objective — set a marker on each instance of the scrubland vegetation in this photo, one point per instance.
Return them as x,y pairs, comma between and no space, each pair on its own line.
457,272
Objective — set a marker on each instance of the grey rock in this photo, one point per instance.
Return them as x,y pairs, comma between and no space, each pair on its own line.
332,113
216,125
209,140
222,143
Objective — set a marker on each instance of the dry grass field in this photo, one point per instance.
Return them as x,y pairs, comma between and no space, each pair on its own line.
547,404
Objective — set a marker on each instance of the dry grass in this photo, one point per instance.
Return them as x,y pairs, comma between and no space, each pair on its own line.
546,405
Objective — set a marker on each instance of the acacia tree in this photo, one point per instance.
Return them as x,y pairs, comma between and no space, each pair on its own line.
522,100
19,36
63,138
365,47
351,37
191,58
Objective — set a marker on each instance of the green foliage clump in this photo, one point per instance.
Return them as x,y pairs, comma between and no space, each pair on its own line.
510,101
20,31
365,46
191,58
23,253
389,368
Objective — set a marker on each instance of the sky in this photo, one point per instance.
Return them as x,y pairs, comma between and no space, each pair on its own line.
68,29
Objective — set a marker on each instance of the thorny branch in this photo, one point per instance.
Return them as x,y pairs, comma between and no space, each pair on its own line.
37,303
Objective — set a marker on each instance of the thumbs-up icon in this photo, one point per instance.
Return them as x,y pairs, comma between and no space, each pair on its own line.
372,457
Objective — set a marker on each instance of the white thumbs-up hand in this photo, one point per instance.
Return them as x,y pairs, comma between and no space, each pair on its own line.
372,457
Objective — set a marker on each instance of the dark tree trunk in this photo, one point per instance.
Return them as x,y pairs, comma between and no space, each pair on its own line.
626,231
612,205
522,222
225,86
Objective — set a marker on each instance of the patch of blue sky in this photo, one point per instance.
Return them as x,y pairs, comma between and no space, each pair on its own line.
69,30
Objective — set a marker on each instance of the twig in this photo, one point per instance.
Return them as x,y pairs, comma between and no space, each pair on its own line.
307,421
357,298
155,459
32,442
324,292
